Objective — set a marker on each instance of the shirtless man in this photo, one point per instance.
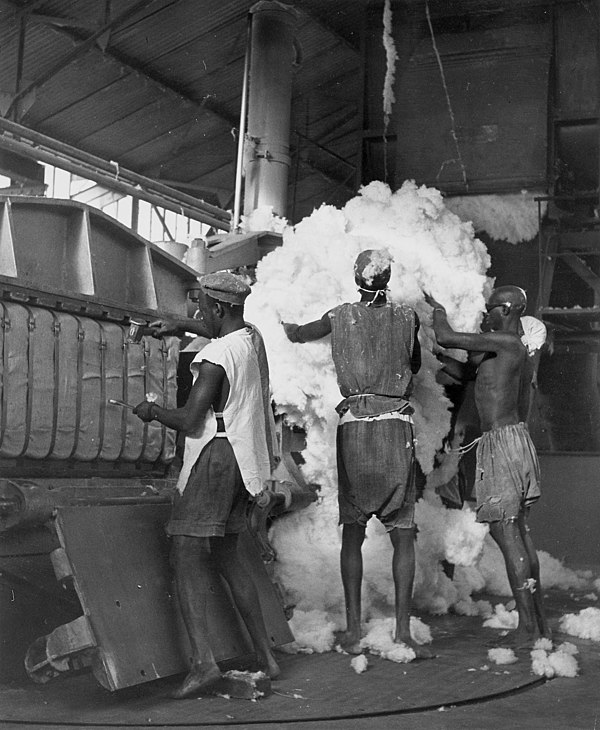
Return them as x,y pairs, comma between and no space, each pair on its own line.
226,457
507,481
375,352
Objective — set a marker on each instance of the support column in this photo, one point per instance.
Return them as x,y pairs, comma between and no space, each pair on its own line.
267,159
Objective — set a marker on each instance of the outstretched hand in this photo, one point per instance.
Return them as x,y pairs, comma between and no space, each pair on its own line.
433,302
290,330
165,327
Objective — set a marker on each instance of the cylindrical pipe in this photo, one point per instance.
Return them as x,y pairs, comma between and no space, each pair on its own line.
27,141
269,106
92,173
239,169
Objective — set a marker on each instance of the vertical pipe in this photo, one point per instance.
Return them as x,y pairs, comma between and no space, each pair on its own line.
19,70
269,106
598,91
237,200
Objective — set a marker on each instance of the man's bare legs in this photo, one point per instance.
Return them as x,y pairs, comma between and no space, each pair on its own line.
509,539
538,598
194,577
403,570
351,565
245,596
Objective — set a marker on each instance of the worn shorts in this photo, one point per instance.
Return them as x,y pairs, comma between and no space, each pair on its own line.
376,472
214,501
508,473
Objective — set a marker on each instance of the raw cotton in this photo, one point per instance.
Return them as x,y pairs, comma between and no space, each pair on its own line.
359,663
500,655
559,663
585,624
512,218
433,251
502,619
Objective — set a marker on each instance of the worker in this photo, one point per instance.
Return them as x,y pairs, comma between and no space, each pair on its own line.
507,477
375,352
226,459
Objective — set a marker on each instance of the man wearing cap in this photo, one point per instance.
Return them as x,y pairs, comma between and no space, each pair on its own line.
507,475
375,352
226,459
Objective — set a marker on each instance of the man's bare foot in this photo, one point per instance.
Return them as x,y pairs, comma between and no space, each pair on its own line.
421,651
200,680
268,665
517,640
349,642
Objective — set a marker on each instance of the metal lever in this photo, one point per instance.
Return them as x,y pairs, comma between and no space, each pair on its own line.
115,402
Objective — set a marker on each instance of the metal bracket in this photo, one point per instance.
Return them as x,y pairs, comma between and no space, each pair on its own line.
68,648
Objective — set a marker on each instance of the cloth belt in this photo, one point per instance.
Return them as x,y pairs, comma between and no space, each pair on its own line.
348,417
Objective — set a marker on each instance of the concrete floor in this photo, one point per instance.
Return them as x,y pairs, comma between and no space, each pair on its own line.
453,691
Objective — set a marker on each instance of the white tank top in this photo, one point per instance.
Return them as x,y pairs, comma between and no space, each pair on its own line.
243,414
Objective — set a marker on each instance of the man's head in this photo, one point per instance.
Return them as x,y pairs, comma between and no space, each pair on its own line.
372,269
220,299
504,307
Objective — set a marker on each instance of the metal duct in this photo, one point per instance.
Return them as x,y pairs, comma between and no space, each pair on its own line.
269,106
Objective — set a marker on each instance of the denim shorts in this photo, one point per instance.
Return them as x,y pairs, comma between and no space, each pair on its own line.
376,472
508,473
214,501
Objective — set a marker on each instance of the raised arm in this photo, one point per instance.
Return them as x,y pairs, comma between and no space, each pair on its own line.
472,341
178,326
308,332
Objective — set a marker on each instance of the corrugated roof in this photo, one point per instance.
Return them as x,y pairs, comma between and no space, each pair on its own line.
160,92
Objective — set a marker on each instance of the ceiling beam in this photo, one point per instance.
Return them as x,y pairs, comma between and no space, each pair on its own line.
136,69
326,27
25,142
79,49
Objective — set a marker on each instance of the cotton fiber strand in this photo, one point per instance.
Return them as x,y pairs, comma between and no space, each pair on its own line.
585,624
500,655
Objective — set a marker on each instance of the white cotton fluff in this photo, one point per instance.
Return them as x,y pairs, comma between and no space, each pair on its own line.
379,640
543,643
567,648
359,663
311,273
585,624
500,655
558,663
553,574
502,619
313,632
262,219
512,218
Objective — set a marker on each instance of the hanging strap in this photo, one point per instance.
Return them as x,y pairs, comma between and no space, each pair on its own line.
56,369
79,384
30,378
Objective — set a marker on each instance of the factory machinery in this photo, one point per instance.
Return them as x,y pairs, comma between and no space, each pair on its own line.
86,486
